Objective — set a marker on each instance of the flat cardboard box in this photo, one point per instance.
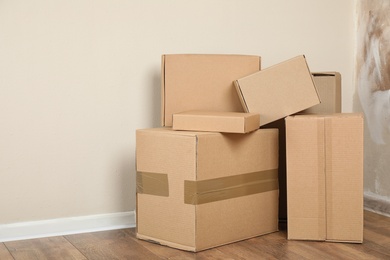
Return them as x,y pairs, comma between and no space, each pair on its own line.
213,121
278,91
325,177
198,190
328,86
202,82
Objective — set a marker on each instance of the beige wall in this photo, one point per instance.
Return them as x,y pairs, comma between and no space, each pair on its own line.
78,77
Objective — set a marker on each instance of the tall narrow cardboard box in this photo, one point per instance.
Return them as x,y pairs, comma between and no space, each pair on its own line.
325,177
197,190
328,85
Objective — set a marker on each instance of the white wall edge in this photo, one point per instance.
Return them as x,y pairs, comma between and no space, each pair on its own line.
66,226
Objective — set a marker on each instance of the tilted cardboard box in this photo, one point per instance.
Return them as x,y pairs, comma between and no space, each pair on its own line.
328,86
197,190
224,122
278,91
202,82
325,177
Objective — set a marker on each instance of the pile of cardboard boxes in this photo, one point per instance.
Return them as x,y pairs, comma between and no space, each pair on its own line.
243,148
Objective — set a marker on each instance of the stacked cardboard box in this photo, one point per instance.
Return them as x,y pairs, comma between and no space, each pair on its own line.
198,190
325,177
210,176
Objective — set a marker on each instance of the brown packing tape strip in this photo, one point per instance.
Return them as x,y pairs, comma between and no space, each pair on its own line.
152,183
205,191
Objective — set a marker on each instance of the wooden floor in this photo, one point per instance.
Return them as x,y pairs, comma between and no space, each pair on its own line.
122,244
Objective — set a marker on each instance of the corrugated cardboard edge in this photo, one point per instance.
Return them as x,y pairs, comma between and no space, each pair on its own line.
163,90
312,79
190,248
241,96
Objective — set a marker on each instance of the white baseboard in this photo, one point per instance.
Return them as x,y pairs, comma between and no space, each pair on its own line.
66,226
376,203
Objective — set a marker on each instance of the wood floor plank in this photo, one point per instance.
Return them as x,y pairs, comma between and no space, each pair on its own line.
43,248
175,254
347,251
378,237
123,244
163,252
4,253
113,244
244,250
277,245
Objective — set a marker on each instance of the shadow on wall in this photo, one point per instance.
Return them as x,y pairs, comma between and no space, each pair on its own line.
373,93
128,172
155,97
127,177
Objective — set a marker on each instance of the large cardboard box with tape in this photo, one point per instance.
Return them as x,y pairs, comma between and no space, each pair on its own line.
202,82
325,177
198,190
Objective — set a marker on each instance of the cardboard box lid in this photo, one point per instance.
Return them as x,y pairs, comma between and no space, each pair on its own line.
201,156
325,170
328,86
202,82
278,91
214,121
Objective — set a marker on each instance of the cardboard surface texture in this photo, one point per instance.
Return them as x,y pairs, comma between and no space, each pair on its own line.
328,86
202,82
221,188
325,177
278,91
225,122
